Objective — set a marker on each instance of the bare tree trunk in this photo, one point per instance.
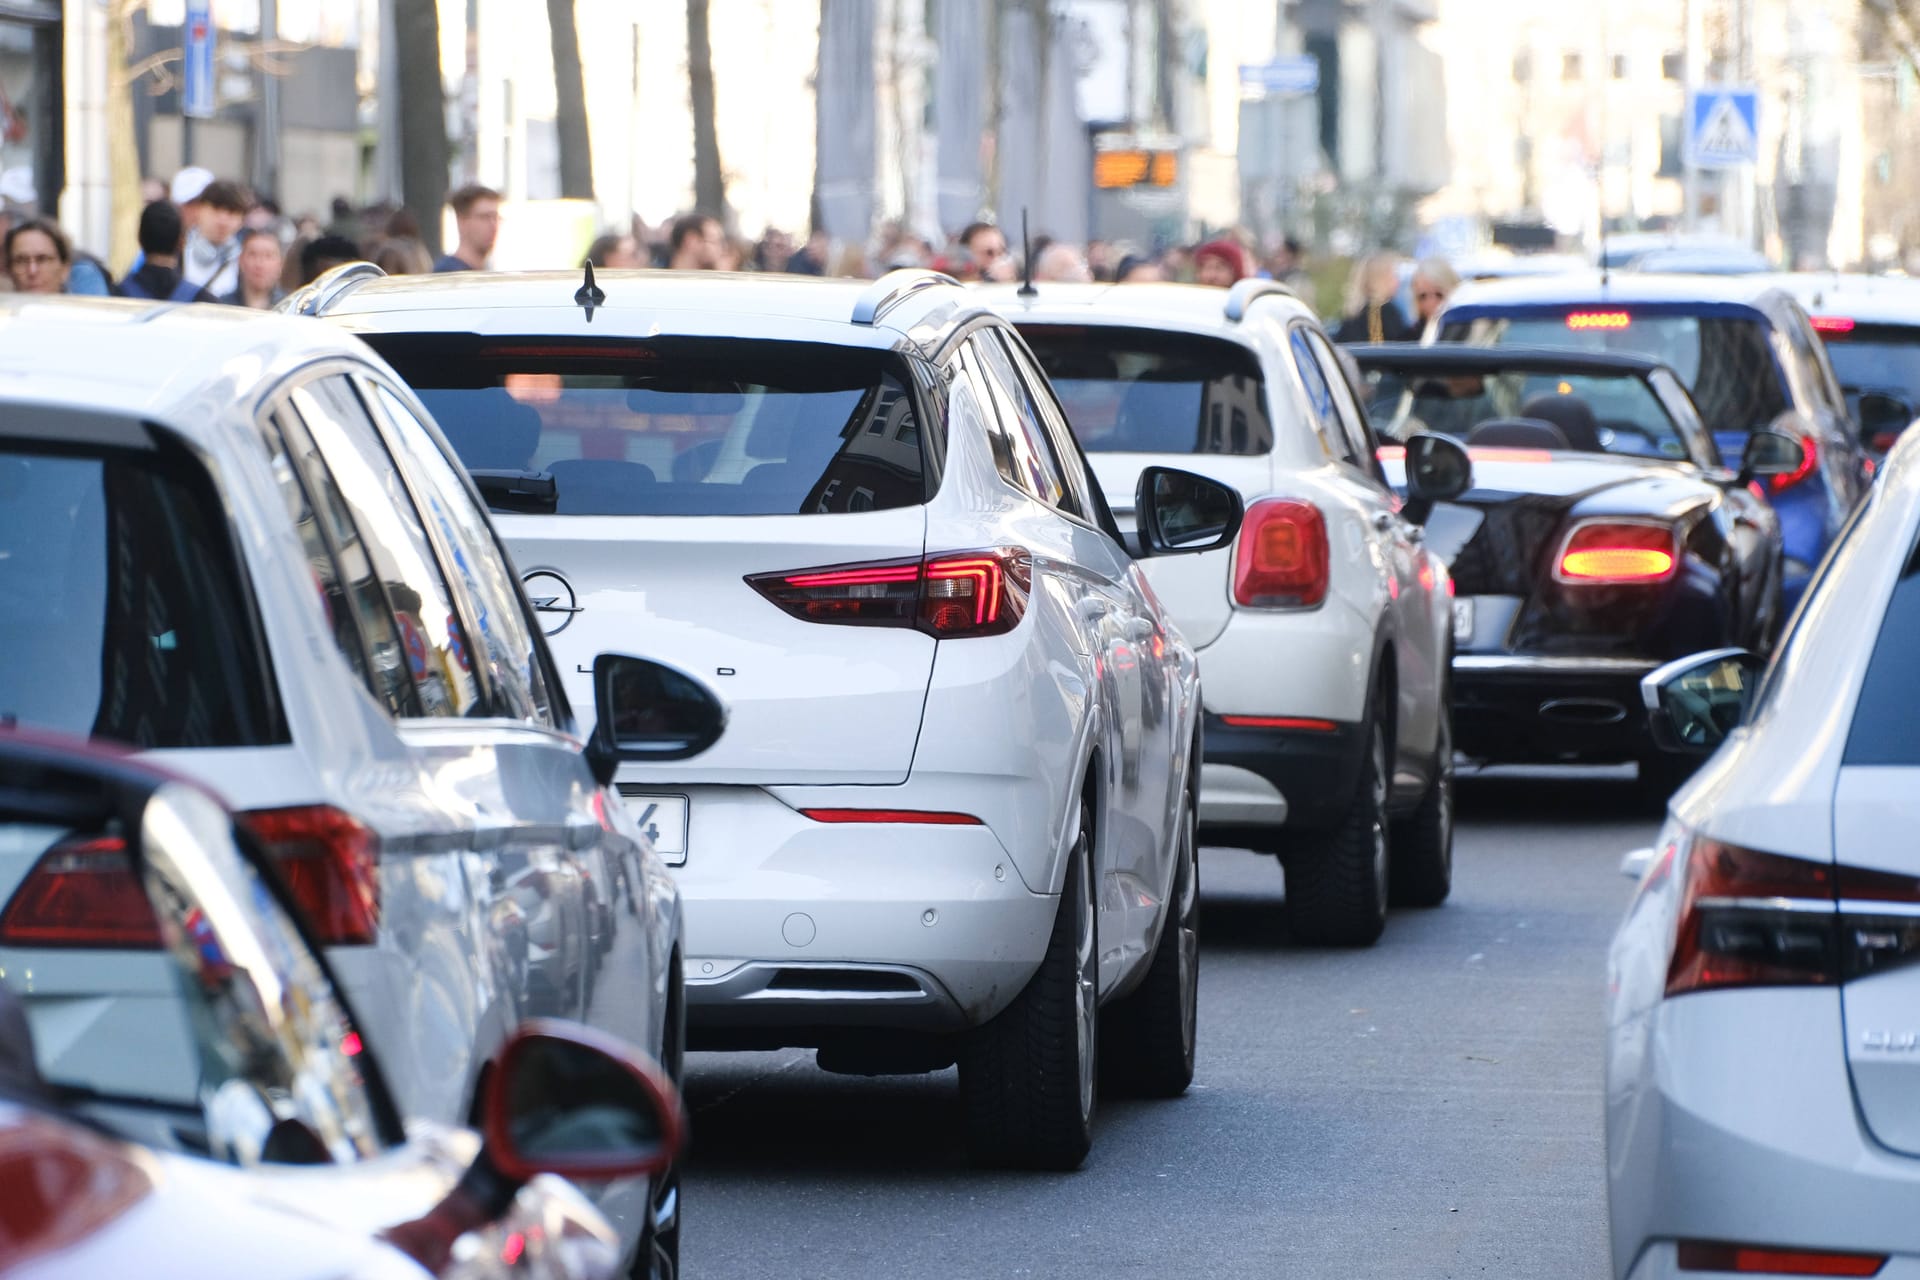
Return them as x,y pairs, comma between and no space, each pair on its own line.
570,91
709,184
423,115
122,153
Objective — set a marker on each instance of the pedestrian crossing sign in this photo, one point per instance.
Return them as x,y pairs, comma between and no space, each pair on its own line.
1722,126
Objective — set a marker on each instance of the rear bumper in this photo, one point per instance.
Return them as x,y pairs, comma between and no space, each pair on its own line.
797,927
1253,781
1525,709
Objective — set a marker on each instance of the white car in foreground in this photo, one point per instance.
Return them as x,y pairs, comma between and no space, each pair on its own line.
1763,1063
1326,629
952,818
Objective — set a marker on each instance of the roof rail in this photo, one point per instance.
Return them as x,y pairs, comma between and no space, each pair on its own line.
328,288
1244,293
893,288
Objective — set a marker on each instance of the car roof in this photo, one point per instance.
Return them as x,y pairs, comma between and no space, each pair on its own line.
152,360
1456,355
1868,299
1625,287
921,308
1190,308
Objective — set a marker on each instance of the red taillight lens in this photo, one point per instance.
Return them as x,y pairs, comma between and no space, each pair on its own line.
920,817
1307,724
81,894
331,866
1833,324
1280,561
1699,1255
1809,459
976,593
1752,919
1606,552
1580,321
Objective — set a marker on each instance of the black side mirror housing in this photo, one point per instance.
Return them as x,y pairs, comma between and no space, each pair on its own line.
1695,702
1769,452
1438,469
648,711
1178,513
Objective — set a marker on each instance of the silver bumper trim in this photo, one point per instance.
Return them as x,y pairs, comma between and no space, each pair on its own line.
1521,664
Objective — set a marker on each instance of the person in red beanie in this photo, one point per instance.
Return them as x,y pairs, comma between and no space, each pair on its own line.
1220,263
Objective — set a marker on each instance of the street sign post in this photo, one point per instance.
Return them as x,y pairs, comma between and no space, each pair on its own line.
196,71
1286,75
1723,126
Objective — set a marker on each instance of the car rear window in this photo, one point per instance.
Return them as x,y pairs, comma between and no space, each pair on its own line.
1883,718
1148,391
1726,361
1628,415
1874,357
123,611
674,426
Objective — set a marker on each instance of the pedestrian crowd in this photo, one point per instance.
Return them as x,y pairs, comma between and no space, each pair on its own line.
207,239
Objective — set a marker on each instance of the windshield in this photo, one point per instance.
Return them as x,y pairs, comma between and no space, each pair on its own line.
683,427
1727,362
1595,413
1148,391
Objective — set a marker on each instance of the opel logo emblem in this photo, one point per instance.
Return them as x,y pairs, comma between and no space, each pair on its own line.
552,598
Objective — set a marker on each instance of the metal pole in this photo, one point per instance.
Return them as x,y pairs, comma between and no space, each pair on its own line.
1690,80
266,141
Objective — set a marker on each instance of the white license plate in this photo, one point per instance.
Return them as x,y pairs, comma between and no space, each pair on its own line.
1463,620
664,820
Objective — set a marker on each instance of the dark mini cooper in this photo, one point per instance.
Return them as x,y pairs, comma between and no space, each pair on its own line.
1602,537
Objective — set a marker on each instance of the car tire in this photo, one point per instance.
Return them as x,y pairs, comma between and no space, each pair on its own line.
1028,1078
1337,880
1422,843
1147,1040
658,1257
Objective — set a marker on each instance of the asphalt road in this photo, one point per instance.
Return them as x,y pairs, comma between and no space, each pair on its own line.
1426,1108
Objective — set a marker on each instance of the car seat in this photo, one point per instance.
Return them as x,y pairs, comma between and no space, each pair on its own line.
1572,415
1518,433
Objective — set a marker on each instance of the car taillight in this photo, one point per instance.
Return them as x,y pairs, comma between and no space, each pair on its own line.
1580,321
1833,324
81,894
1604,551
330,863
1701,1255
973,593
1753,919
1809,459
920,817
1281,559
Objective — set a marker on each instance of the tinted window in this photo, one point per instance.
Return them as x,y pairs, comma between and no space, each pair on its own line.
399,556
123,611
506,639
1320,403
1146,391
1353,422
1033,463
1727,362
1883,719
675,426
1876,357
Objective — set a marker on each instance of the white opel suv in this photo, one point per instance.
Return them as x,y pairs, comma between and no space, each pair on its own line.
236,543
1326,628
952,818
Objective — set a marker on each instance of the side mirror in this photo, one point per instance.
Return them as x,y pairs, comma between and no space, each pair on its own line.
1438,469
1695,702
1769,452
565,1099
646,710
1882,418
1180,513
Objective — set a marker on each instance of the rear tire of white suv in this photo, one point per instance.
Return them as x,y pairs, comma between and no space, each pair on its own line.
1028,1078
1147,1040
1337,880
1422,871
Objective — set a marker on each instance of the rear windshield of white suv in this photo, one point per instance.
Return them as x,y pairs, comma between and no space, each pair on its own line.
1149,391
672,426
124,613
1727,361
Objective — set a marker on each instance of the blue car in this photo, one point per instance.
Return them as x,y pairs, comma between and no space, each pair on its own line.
1744,347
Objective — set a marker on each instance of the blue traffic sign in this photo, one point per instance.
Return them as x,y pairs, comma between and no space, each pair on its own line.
1293,73
1723,126
196,71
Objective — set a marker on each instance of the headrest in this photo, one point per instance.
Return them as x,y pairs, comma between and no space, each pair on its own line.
1572,415
1518,433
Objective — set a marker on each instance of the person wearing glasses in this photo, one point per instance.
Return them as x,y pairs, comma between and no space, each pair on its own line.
39,257
1434,281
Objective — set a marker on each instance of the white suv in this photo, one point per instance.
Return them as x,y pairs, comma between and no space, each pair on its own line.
235,542
953,817
1326,629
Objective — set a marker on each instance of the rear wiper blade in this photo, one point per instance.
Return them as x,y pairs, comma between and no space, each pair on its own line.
529,492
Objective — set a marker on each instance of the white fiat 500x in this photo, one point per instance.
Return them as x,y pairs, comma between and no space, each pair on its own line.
952,817
1763,1029
1326,629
